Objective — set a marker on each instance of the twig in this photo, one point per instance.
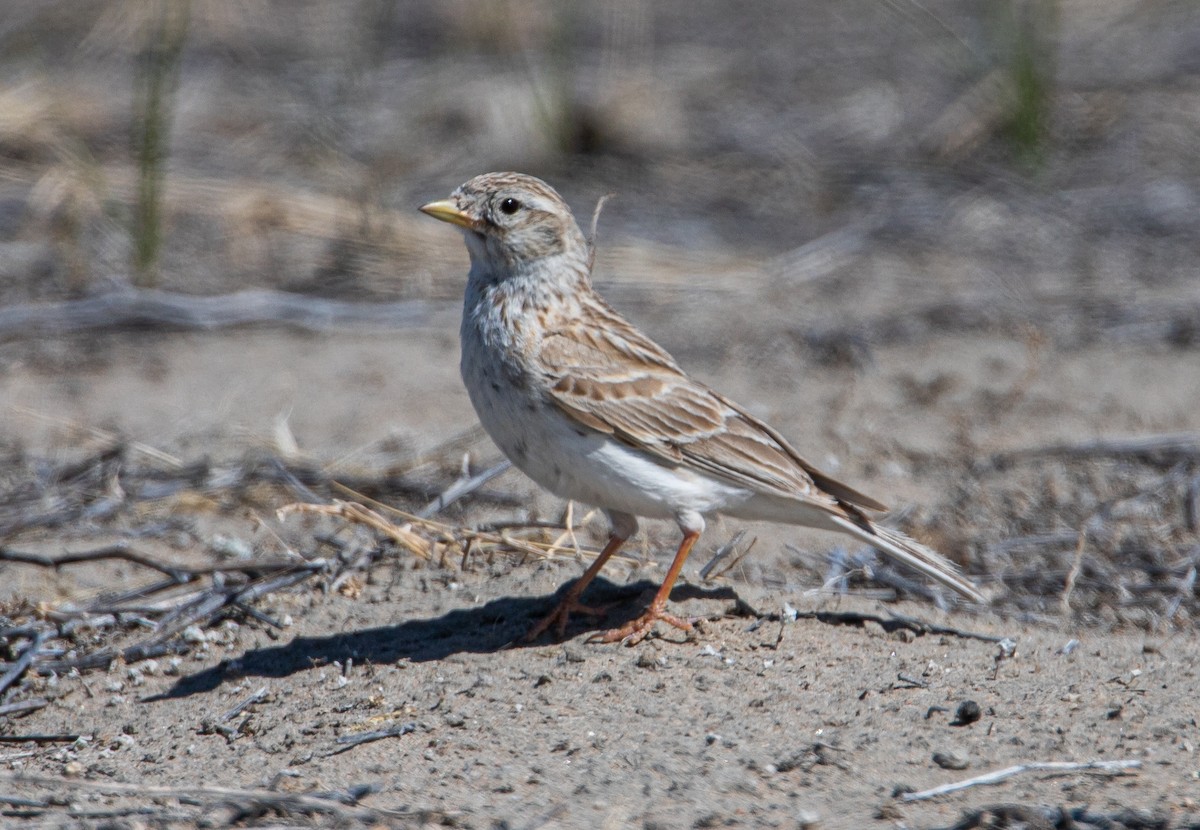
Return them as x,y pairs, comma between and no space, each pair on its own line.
39,739
462,487
348,742
241,707
20,707
322,803
568,532
1178,446
724,551
912,623
18,668
1057,767
121,550
100,659
125,308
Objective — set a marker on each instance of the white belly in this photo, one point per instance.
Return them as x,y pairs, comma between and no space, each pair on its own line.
575,462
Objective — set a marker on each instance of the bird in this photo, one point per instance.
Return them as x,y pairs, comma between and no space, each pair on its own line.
593,410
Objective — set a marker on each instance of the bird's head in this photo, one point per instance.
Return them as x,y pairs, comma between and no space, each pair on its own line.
513,224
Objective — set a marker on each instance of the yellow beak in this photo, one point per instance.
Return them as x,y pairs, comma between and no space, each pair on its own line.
447,211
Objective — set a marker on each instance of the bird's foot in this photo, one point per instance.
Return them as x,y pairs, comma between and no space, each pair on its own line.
561,614
634,631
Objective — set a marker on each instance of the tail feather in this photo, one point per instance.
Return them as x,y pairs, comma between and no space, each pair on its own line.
912,553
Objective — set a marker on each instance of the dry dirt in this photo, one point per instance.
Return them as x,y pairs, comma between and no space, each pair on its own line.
757,721
822,214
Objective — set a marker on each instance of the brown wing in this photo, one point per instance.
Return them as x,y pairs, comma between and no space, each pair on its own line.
610,377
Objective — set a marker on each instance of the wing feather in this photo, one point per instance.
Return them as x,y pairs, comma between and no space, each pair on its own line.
610,377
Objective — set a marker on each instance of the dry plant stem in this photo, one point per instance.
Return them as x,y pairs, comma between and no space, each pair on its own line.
449,533
1056,767
357,513
1073,574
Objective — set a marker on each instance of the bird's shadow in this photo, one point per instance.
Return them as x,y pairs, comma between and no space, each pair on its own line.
488,628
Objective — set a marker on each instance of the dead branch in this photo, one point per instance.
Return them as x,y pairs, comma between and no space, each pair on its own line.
258,695
463,487
102,659
127,308
1175,447
348,742
996,777
120,550
23,662
39,739
21,707
913,624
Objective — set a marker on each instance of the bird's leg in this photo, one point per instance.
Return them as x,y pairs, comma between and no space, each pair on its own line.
570,602
635,631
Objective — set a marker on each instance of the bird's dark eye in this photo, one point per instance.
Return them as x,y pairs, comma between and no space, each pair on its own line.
510,206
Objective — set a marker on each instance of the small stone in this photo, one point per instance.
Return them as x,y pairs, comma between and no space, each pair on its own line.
573,655
951,759
808,820
646,660
194,634
454,719
73,768
967,713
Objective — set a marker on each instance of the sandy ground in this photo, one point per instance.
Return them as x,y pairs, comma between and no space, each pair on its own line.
826,214
756,721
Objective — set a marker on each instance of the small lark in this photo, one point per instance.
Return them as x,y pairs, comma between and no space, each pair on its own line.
593,410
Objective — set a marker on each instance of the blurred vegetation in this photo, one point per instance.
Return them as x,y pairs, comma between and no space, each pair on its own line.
1032,33
290,150
156,80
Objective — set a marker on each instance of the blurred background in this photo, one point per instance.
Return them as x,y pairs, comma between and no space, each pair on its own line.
915,234
1036,148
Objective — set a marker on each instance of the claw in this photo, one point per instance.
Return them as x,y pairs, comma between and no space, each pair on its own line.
560,616
634,631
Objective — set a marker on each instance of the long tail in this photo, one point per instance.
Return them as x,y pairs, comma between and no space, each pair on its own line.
912,553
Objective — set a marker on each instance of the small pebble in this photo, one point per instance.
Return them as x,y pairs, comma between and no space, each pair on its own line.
646,660
951,760
194,634
808,820
572,655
